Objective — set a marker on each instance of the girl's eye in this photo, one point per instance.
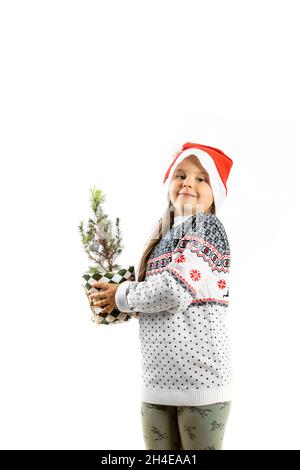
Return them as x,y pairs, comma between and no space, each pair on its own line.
181,176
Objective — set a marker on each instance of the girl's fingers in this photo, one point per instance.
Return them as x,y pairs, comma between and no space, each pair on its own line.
87,294
99,304
97,296
100,285
107,310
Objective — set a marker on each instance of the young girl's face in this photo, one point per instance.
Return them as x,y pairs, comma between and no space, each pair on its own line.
190,190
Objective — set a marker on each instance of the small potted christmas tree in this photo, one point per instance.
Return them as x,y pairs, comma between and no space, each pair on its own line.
103,245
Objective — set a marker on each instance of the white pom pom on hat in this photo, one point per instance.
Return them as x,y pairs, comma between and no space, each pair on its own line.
215,162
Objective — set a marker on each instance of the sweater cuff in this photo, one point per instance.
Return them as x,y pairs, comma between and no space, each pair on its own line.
120,297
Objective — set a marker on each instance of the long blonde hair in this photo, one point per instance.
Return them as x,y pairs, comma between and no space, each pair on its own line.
163,225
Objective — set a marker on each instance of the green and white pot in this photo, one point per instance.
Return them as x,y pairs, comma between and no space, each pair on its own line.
115,277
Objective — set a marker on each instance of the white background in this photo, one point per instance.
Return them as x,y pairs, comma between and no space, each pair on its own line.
102,93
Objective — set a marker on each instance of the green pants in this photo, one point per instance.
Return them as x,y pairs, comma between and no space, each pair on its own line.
167,427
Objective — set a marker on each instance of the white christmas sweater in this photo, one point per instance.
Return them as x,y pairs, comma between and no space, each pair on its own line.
182,305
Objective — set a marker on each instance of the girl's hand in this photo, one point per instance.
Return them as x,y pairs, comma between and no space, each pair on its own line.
106,298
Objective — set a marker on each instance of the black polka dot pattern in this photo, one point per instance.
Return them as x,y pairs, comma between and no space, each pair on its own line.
183,304
185,351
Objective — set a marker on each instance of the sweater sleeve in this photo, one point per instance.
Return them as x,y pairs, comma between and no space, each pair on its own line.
195,272
154,295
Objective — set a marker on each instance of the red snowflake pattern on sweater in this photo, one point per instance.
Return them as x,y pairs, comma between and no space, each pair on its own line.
222,283
195,274
180,259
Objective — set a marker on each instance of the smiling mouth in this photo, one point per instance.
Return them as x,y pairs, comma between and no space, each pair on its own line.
185,194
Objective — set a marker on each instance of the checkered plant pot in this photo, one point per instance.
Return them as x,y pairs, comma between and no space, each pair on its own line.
115,277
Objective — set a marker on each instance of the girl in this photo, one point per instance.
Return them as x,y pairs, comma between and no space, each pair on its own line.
181,298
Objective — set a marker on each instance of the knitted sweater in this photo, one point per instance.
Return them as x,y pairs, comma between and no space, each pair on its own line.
182,305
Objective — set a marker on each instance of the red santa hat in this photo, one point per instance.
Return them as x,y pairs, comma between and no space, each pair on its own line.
215,162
